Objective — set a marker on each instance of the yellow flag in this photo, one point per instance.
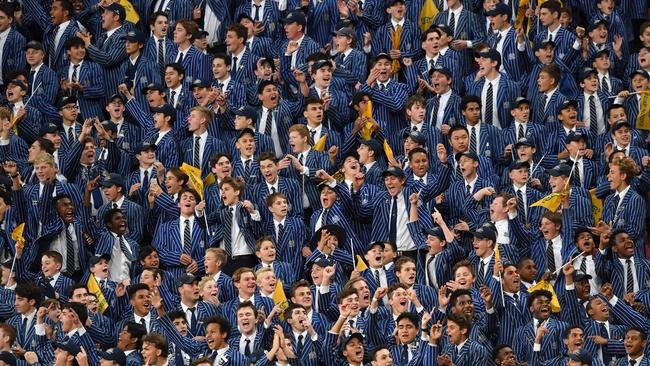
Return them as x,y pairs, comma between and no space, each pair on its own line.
320,144
131,14
521,14
552,202
387,150
396,37
366,130
643,119
497,255
94,289
279,297
596,205
368,112
195,177
361,265
339,176
545,285
210,179
427,14
17,236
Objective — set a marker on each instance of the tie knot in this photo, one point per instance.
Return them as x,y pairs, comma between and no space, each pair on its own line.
192,309
161,40
187,221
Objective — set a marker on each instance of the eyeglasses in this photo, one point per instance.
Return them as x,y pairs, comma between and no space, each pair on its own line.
71,107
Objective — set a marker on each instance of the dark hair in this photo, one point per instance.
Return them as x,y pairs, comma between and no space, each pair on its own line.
346,292
417,150
59,197
8,9
136,331
190,27
642,333
191,191
288,312
109,214
567,331
67,6
215,158
224,324
312,100
56,256
155,15
242,32
135,288
538,293
296,286
46,145
30,291
552,69
246,304
146,251
552,6
177,67
456,294
461,321
74,42
178,314
159,341
498,348
373,354
268,156
413,318
358,98
75,287
466,100
79,309
222,56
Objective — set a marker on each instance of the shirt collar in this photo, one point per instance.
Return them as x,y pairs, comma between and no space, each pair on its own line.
395,23
111,32
622,194
549,93
4,34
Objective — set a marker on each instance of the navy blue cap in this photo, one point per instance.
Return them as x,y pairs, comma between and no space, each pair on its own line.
152,87
48,127
248,112
585,73
374,244
97,257
485,232
639,72
344,23
559,170
117,9
109,126
518,164
135,36
186,279
380,56
500,9
441,69
114,354
346,340
113,179
416,136
320,63
436,231
445,28
394,171
492,54
19,83
323,262
7,264
346,32
295,16
335,230
604,51
543,44
393,2
575,136
581,276
201,33
468,154
65,101
595,23
167,110
144,146
519,101
567,104
374,145
72,348
246,131
198,83
620,123
35,45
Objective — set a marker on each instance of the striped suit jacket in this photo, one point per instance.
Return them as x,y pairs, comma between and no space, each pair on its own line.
212,146
238,169
175,10
109,52
508,91
203,310
551,343
563,40
315,161
195,63
289,249
167,148
355,61
388,106
13,52
284,116
306,48
150,51
134,217
247,226
409,40
467,30
146,73
514,61
546,115
229,309
169,243
45,88
91,99
326,14
568,85
271,18
629,215
287,186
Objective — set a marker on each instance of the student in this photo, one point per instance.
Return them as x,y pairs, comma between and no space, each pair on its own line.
214,260
52,282
193,61
289,233
200,146
138,71
246,165
548,100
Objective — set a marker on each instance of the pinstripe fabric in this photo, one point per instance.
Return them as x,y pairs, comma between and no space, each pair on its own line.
272,25
629,215
337,114
409,39
514,62
203,310
167,148
551,343
388,108
45,88
195,63
355,61
212,146
109,54
315,160
13,54
167,240
283,271
568,85
507,91
322,17
246,224
546,115
465,30
91,99
146,73
563,40
238,169
284,116
289,250
306,48
229,309
177,10
287,186
134,217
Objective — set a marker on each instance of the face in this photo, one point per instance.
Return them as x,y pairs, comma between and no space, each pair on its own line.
351,166
546,17
5,22
267,249
149,278
141,301
602,63
599,309
606,6
242,122
219,68
327,197
34,57
441,82
389,255
14,93
455,333
233,42
196,122
519,176
172,78
374,256
575,340
23,306
353,350
397,11
526,152
549,229
316,274
398,301
314,113
521,113
146,157
298,142
229,195
209,290
615,178
302,296
323,77
599,35
464,277
541,308
468,166
246,320
267,282
383,358
181,35
634,344
545,82
222,168
190,292
44,171
482,247
498,209
416,113
269,170
431,45
214,336
459,140
568,116
639,82
110,20
364,293
211,263
406,274
623,136
246,284
65,209
384,68
149,351
270,96
505,354
181,326
557,183
293,31
246,145
528,270
132,47
89,153
351,302
118,223
100,269
159,28
342,43
406,331
393,185
464,306
366,155
68,318
624,245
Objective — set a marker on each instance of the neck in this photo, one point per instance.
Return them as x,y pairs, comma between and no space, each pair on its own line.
278,218
636,355
189,302
492,74
470,177
146,166
74,61
238,50
246,296
396,20
296,37
68,122
200,131
183,46
142,315
462,341
224,78
134,56
313,124
487,255
553,26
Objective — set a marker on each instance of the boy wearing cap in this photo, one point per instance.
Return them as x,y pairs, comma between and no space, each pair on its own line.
442,109
548,99
513,47
138,71
400,31
521,128
567,115
289,232
584,172
607,83
423,68
32,119
549,19
369,152
495,89
348,54
246,164
42,80
545,54
115,192
246,118
139,181
578,199
194,309
296,48
377,275
71,129
82,79
639,81
109,51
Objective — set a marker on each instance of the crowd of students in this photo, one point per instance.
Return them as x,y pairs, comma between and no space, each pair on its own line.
324,182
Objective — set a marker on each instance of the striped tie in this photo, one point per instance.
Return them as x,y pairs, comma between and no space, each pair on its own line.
604,85
269,123
593,116
187,238
629,283
280,233
520,204
125,249
520,132
196,160
69,250
472,139
227,232
550,257
489,109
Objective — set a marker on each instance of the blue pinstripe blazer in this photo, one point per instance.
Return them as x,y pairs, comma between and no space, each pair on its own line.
315,160
296,236
630,215
195,63
563,40
109,54
508,91
176,10
323,16
287,186
409,39
271,18
134,217
514,61
212,146
168,242
355,61
388,108
91,99
13,52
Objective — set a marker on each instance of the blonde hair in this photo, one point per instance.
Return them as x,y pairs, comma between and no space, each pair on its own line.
43,157
204,281
260,272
